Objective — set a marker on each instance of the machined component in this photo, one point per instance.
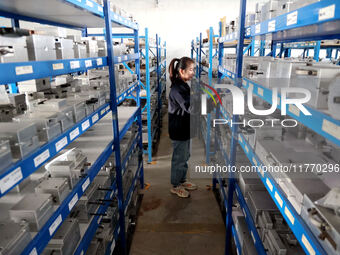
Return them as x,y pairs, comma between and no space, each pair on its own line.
35,209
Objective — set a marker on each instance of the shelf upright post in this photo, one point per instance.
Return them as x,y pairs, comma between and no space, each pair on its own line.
200,59
252,47
235,119
159,68
139,116
197,55
262,47
317,51
165,65
192,49
148,95
113,106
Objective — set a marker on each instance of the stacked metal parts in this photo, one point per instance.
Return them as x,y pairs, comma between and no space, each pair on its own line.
320,78
41,111
276,145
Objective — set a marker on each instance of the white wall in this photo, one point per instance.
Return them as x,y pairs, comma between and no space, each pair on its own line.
180,21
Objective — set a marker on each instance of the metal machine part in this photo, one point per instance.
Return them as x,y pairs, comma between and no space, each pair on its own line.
23,137
34,85
259,201
324,224
64,169
317,79
13,49
41,47
57,187
5,154
14,238
91,48
246,241
64,48
87,205
47,124
334,98
35,209
65,240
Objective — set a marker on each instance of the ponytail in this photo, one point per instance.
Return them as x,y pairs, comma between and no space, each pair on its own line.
173,70
174,67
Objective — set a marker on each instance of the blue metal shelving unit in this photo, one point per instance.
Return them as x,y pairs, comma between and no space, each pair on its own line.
156,51
93,15
319,15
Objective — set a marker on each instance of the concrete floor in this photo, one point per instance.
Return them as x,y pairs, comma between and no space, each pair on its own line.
168,224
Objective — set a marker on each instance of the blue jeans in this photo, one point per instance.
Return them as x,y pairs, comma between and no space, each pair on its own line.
179,161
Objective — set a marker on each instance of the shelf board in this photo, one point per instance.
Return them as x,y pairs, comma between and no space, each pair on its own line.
68,13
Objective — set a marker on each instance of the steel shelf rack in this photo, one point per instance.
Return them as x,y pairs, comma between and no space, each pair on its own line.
155,50
63,13
321,15
198,49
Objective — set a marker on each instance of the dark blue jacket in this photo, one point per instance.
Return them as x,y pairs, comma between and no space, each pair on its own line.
179,111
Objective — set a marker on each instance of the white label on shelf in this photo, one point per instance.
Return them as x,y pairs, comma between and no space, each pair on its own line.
38,160
99,219
85,184
60,144
107,108
258,28
74,134
10,179
19,70
89,3
102,111
95,118
99,61
261,171
100,8
307,245
55,225
254,161
293,109
292,18
331,128
246,148
34,252
270,185
75,64
119,59
260,91
85,125
113,245
327,12
244,83
120,18
115,16
289,215
88,63
251,86
73,202
58,66
278,199
271,25
252,235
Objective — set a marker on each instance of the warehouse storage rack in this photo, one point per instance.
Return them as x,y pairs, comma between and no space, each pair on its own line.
318,14
154,116
197,48
66,14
